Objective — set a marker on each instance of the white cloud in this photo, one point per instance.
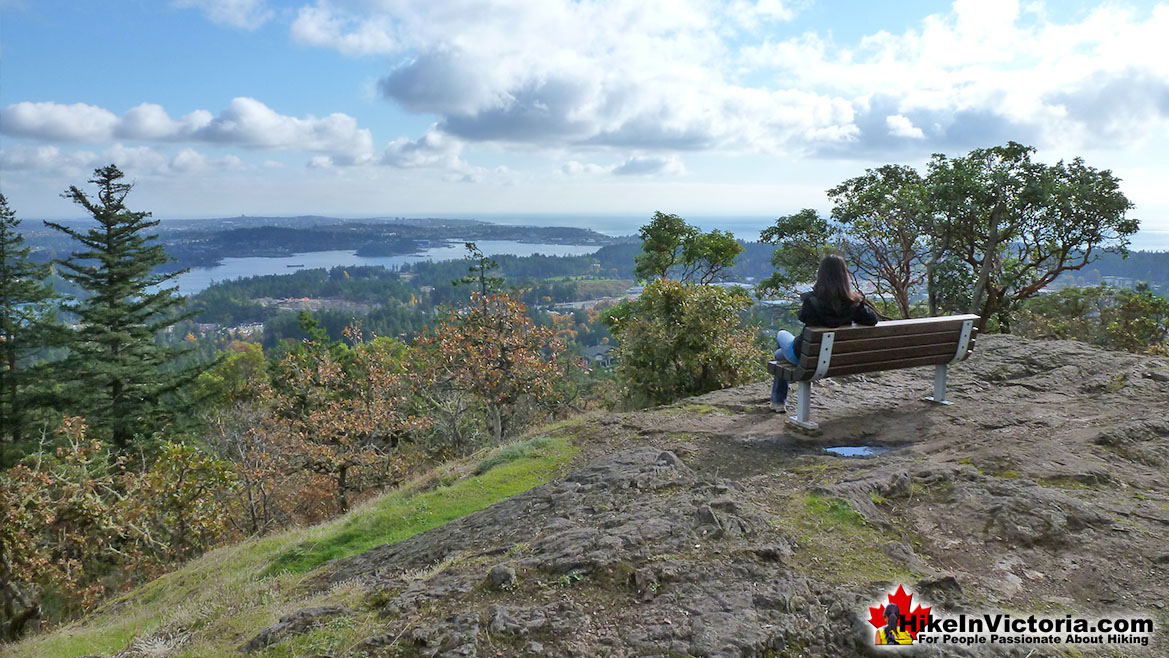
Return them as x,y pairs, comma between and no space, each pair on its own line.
650,166
987,71
141,160
315,26
52,121
21,158
243,14
647,75
900,126
693,75
149,121
574,168
246,122
638,165
433,149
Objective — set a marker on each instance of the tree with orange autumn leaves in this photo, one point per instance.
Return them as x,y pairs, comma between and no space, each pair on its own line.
79,520
343,419
489,356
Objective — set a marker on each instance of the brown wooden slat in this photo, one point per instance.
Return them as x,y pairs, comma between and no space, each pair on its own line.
890,365
879,356
893,328
887,346
810,360
846,346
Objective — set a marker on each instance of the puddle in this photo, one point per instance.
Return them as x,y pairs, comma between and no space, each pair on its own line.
856,451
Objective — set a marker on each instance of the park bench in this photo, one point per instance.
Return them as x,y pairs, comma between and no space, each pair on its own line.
891,345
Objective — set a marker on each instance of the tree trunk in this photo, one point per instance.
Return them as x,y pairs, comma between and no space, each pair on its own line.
989,255
496,423
931,284
343,489
903,301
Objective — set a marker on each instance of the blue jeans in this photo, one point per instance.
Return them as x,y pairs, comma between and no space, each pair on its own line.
785,342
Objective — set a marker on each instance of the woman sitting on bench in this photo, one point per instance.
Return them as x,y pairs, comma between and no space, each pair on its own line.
831,303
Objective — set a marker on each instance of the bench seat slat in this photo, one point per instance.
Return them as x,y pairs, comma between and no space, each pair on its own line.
893,365
893,328
799,374
886,355
844,345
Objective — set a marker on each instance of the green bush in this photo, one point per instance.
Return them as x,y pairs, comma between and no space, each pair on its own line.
680,339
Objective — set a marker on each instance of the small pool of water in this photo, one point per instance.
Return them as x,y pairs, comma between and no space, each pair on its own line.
856,451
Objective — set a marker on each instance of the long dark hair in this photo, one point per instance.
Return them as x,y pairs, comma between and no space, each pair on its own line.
832,286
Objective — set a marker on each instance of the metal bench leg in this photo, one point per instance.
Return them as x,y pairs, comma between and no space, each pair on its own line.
939,396
804,408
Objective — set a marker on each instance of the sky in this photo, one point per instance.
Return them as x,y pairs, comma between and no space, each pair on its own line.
362,108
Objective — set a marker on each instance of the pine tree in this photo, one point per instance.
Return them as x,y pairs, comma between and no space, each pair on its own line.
24,316
122,372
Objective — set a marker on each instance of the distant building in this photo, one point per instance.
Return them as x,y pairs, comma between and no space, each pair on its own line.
598,356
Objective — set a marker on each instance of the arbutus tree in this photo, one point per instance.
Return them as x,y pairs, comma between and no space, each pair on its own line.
886,229
1018,224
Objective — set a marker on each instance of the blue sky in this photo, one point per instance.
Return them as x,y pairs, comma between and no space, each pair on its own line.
417,107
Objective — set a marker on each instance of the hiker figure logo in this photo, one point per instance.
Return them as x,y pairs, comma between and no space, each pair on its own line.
894,622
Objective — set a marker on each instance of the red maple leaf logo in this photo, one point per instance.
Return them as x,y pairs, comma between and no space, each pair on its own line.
910,622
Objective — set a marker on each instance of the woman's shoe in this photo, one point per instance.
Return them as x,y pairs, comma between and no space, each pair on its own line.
778,407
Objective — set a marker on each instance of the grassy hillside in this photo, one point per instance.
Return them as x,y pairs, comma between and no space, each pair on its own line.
218,602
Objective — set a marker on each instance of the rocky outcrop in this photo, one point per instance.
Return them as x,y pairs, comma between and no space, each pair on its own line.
710,529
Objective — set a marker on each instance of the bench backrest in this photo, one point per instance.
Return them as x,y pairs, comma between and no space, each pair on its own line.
887,346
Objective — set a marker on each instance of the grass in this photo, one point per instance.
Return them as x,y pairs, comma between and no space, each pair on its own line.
398,516
512,452
220,600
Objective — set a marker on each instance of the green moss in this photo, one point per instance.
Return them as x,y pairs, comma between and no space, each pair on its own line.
835,542
399,516
833,509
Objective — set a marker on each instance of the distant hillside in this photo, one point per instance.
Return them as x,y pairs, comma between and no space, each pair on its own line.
708,528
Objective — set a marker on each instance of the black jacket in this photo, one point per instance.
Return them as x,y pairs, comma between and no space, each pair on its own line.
815,313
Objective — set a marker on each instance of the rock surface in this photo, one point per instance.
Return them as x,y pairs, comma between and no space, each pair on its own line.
711,529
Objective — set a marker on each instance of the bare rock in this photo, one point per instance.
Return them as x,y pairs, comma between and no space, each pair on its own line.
501,578
296,623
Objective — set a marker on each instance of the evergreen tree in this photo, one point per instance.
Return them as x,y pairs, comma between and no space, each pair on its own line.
24,319
122,373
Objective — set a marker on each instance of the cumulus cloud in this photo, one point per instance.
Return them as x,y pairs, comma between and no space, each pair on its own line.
248,122
243,14
21,158
315,26
433,149
245,122
142,160
900,126
52,121
989,70
695,75
645,75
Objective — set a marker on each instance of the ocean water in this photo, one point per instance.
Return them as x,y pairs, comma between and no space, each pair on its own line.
233,268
